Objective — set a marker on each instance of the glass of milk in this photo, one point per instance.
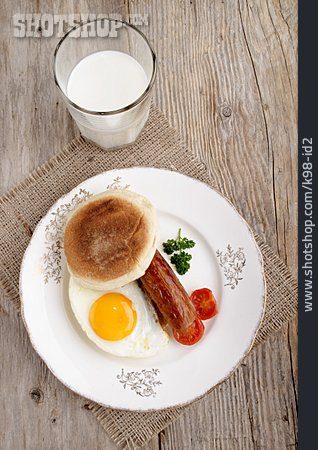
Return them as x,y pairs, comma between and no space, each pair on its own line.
105,71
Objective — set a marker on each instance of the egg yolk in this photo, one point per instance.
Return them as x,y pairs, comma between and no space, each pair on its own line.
112,316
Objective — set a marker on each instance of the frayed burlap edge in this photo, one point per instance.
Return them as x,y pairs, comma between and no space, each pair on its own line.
126,428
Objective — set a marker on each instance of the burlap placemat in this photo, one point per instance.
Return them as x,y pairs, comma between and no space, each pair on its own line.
158,146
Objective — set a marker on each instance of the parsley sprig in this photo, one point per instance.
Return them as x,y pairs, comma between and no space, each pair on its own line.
176,248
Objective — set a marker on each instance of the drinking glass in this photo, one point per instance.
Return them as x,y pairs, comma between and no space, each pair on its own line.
119,127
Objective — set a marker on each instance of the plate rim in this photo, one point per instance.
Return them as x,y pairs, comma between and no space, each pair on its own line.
258,325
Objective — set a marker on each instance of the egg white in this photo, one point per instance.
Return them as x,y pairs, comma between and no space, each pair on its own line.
146,339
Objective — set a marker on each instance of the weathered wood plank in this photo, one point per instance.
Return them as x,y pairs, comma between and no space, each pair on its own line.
227,81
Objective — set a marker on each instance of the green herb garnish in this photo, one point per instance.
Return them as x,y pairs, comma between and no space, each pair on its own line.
176,247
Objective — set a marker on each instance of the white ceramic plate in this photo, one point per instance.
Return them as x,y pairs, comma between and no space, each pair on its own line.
225,259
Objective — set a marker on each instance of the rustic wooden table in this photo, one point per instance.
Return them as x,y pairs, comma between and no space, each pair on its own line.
227,82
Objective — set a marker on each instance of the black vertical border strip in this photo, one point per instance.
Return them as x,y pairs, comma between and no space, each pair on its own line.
308,133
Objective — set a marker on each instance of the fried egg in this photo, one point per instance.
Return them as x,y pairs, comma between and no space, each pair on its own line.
121,322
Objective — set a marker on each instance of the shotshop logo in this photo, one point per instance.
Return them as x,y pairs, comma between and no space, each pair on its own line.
47,25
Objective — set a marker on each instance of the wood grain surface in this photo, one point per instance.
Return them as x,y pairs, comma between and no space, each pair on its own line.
227,82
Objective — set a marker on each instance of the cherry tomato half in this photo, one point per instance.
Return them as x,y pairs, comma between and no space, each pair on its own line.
204,303
190,335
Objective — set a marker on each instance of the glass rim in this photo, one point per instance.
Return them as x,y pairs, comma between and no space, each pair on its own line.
115,111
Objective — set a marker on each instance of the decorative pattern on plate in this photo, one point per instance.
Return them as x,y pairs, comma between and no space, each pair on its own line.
232,264
144,383
54,237
116,184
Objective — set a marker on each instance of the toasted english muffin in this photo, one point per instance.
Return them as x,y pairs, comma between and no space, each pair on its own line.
111,239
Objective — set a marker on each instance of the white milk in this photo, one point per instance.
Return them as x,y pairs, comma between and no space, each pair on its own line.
106,81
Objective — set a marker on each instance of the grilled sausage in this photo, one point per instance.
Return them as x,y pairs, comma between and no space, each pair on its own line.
168,294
